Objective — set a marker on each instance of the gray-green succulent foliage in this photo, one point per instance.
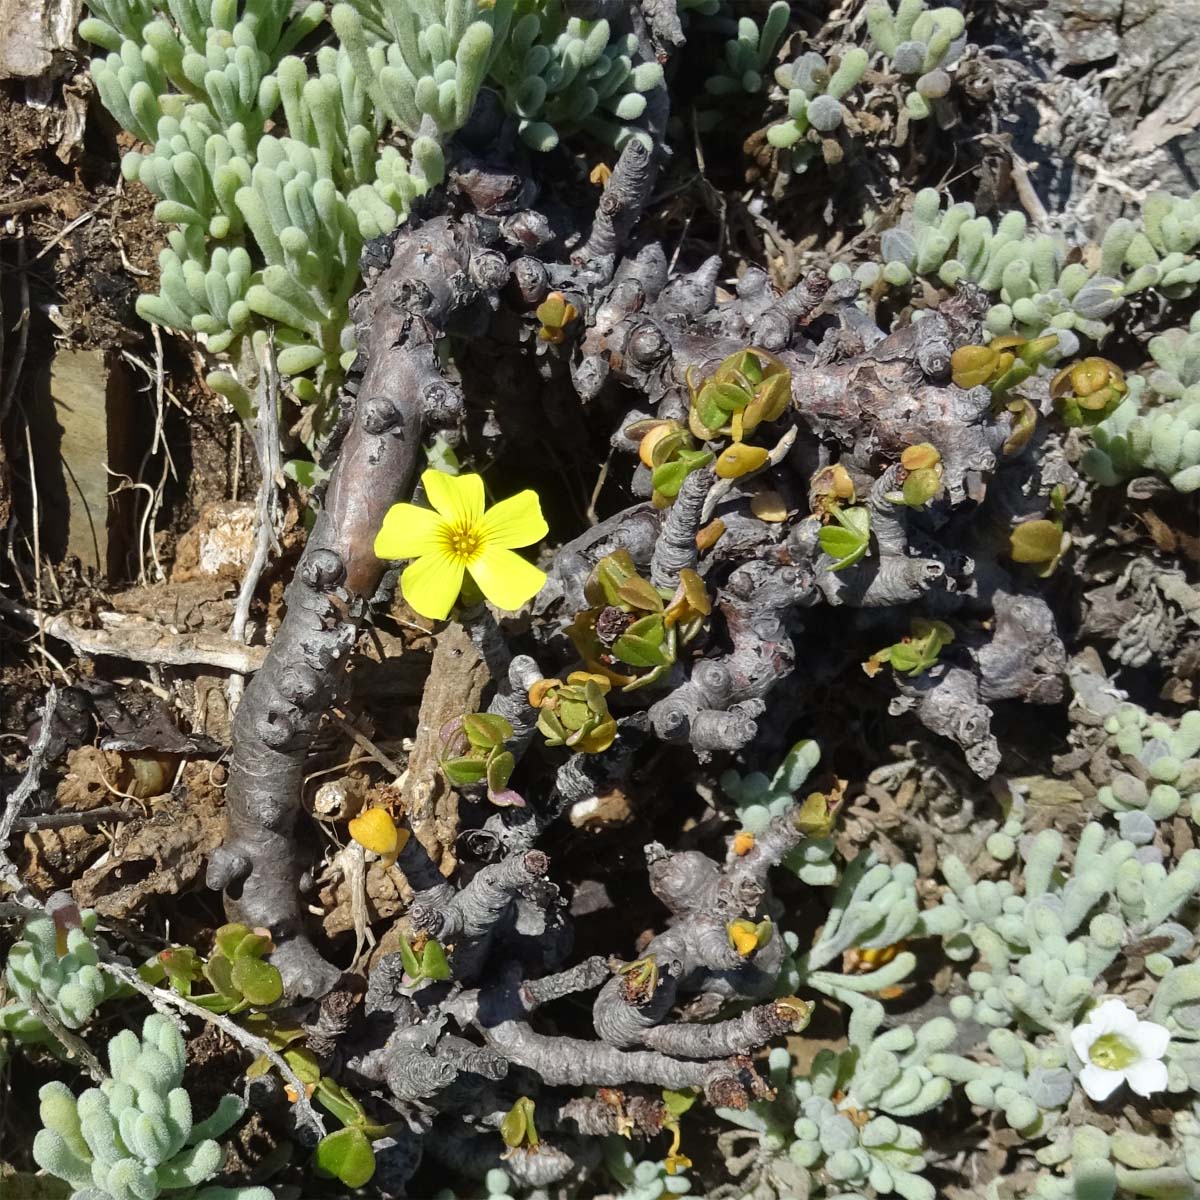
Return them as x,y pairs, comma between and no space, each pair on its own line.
559,75
134,1137
57,969
759,798
1156,429
267,228
1040,284
834,1132
918,43
1168,760
815,91
746,60
1040,958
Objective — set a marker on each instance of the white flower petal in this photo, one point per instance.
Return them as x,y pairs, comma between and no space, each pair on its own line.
1150,1039
1082,1037
1147,1077
1114,1016
1099,1083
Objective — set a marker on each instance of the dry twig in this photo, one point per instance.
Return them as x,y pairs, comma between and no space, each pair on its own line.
163,1001
20,797
139,640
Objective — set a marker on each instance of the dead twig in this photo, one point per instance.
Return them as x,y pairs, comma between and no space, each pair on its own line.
138,640
266,443
74,1044
163,1001
20,797
69,819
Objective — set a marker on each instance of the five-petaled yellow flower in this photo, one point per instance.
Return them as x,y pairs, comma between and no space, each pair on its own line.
457,536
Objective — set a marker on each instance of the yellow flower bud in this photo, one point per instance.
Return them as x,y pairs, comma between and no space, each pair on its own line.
375,830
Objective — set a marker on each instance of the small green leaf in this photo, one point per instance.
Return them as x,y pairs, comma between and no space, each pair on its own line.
433,961
486,730
253,945
641,645
668,478
1036,541
463,771
847,541
336,1100
499,771
638,593
258,981
677,1103
517,1127
219,972
307,474
304,1062
412,966
346,1156
260,1066
229,937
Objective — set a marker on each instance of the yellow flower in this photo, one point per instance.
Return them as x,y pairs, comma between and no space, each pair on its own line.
457,536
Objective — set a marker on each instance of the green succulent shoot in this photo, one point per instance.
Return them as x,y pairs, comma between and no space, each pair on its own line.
1041,543
474,751
575,713
54,965
424,962
848,540
1087,392
517,1128
748,388
671,455
915,654
239,970
632,631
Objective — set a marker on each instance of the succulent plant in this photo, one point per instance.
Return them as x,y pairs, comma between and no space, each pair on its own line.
919,43
54,964
760,798
815,90
1039,290
1169,758
632,632
1157,426
559,75
1042,957
575,713
835,1128
745,66
134,1136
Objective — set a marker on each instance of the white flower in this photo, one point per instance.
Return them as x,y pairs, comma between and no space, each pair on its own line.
1115,1048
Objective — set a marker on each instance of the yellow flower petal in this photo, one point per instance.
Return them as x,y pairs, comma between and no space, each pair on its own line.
505,578
409,532
431,584
514,522
459,498
375,830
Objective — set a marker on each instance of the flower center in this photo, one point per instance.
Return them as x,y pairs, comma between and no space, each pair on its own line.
464,542
1112,1053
